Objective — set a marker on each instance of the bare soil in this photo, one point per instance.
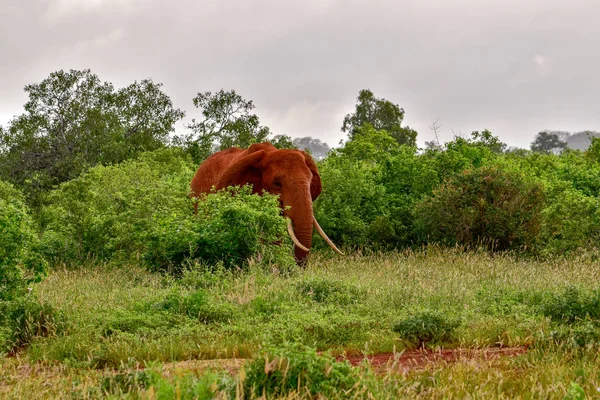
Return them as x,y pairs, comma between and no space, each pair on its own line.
419,359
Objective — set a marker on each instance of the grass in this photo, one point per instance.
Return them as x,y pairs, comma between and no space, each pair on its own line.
120,322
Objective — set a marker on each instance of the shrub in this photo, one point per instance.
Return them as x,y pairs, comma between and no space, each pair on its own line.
190,386
324,290
572,305
426,327
20,262
232,227
138,321
23,319
487,204
581,335
571,221
141,209
151,380
352,199
108,211
300,370
198,306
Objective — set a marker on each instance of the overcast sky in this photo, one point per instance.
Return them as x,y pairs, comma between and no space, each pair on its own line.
514,67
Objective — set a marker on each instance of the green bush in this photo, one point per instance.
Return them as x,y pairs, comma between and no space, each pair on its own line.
232,227
572,305
324,290
138,322
571,221
580,335
426,327
488,204
108,211
21,318
352,199
190,386
20,261
24,319
296,369
140,209
372,185
197,305
187,386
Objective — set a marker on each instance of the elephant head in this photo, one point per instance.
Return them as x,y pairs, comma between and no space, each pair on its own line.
291,174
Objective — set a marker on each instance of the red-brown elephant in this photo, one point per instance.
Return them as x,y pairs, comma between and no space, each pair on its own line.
292,174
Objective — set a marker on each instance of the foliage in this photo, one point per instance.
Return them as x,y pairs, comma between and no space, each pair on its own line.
330,291
196,305
141,209
353,200
381,114
370,144
572,305
152,382
571,221
283,142
593,152
227,122
233,226
20,261
487,139
488,204
109,211
293,368
576,336
426,327
24,319
73,121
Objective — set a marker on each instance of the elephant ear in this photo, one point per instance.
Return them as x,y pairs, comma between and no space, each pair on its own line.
245,170
315,183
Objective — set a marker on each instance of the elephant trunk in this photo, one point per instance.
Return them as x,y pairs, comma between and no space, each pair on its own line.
301,215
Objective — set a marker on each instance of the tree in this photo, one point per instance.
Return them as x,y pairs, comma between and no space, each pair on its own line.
146,114
73,121
315,147
434,145
370,144
487,139
381,114
283,142
227,122
549,142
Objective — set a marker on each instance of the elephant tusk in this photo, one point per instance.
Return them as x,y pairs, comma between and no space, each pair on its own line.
294,239
324,236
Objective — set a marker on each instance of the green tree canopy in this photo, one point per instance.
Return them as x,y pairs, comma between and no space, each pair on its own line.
370,144
381,114
73,121
283,142
227,122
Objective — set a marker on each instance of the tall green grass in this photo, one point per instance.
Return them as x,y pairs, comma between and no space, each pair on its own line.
127,318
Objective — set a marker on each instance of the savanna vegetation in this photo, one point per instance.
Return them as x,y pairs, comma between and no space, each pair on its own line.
111,286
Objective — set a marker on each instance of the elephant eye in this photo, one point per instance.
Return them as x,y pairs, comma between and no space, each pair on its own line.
277,184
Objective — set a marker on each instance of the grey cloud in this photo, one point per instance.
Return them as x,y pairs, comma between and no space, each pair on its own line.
513,67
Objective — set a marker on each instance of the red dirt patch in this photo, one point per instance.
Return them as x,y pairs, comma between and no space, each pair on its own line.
419,359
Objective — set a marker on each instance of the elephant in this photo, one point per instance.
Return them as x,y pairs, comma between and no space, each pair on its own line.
291,174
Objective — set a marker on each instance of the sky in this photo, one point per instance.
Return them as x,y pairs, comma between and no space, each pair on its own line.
515,67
